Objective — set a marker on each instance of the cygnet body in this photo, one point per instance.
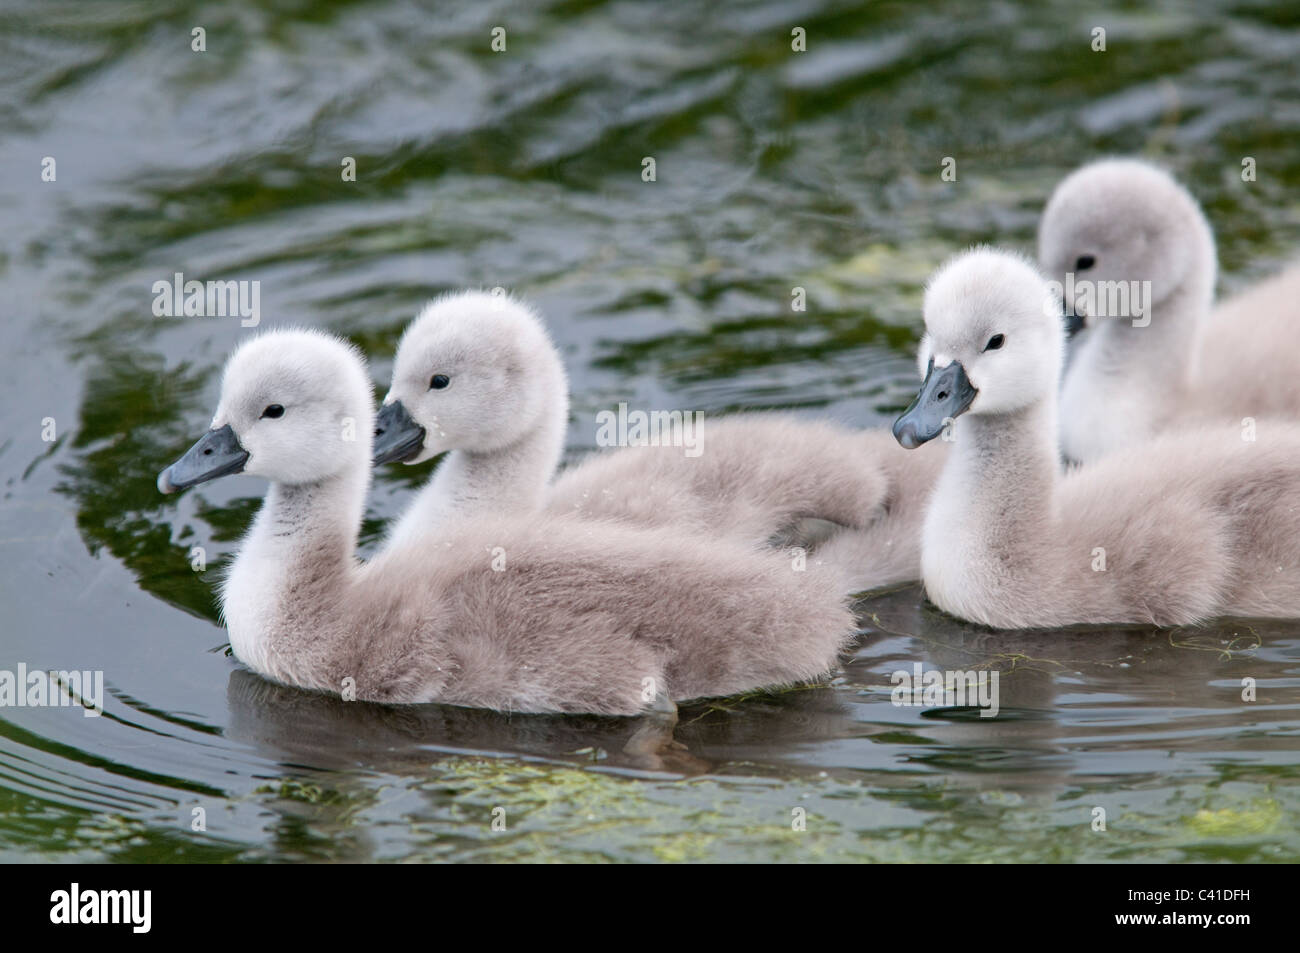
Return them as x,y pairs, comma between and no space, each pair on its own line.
532,614
1116,232
1189,526
477,375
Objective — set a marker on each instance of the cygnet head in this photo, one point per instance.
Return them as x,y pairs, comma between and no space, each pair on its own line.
994,343
295,408
475,372
1124,220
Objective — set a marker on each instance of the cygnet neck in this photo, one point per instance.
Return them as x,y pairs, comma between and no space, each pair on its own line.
469,484
1005,467
513,477
324,515
1162,350
295,560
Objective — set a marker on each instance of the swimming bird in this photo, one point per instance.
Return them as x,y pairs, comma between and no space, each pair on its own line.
1188,526
1133,251
531,614
477,376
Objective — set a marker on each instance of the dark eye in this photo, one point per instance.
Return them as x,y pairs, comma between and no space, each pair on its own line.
1084,263
439,382
273,411
995,342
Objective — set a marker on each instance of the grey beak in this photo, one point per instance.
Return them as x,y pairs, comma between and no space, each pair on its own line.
217,454
1074,323
397,436
945,394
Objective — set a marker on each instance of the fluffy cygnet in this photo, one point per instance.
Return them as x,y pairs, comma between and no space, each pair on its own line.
477,376
1135,256
515,612
1186,527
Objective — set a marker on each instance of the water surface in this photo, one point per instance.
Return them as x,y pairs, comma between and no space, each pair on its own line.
775,170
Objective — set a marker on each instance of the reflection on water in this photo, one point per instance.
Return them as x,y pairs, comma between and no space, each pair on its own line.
776,171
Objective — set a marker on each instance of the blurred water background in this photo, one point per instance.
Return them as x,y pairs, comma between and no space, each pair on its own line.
775,169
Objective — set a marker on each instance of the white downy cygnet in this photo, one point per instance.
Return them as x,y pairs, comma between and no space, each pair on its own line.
1188,526
477,375
1135,255
524,613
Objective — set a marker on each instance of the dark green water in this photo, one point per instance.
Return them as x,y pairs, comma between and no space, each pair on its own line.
775,169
